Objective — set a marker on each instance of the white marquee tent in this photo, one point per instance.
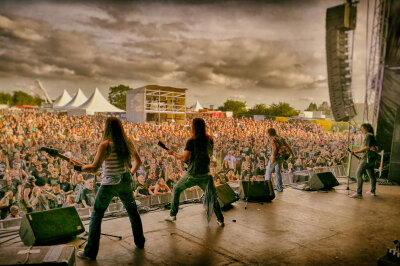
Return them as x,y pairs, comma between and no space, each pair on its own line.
76,101
197,107
95,104
63,99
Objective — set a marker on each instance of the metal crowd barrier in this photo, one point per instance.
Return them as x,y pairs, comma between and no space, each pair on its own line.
149,201
304,175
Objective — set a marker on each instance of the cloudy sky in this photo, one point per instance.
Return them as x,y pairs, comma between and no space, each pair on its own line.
256,51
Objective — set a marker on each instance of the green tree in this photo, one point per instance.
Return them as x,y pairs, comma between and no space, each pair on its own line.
312,107
259,109
117,96
5,98
282,109
237,107
324,106
23,98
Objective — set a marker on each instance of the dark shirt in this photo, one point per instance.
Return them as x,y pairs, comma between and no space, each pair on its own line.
41,177
370,142
26,186
199,159
143,189
89,196
151,182
65,186
258,171
170,183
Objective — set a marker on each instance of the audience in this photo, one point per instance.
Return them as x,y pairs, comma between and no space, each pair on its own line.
36,181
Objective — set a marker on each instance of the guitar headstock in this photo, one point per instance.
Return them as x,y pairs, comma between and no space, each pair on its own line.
50,151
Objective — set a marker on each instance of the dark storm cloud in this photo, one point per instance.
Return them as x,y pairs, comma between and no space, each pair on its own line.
241,49
148,30
41,51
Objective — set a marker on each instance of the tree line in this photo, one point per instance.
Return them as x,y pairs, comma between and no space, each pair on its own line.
280,109
20,98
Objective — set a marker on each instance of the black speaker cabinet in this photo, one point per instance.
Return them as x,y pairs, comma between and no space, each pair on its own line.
226,195
322,180
256,191
50,227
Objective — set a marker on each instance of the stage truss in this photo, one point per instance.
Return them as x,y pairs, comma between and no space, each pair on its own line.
376,59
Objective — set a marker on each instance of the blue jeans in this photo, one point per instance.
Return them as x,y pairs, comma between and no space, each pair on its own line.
276,166
364,167
104,196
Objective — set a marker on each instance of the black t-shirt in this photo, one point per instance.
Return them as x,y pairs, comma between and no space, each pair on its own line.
258,171
41,177
370,141
151,182
26,186
199,160
143,189
170,183
65,186
89,196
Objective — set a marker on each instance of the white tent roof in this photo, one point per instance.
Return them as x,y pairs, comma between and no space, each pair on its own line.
76,101
98,104
63,99
197,106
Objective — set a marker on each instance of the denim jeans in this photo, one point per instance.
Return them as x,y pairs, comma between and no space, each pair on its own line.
364,167
106,192
188,181
276,166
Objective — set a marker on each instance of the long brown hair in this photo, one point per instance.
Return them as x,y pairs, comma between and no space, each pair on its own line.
202,141
114,131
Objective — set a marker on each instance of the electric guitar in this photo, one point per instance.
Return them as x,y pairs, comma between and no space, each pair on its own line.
56,153
355,155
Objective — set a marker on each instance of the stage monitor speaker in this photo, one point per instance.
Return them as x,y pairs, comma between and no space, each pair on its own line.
322,180
49,227
394,167
226,195
256,190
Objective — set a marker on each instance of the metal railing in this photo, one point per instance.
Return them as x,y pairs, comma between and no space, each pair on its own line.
148,202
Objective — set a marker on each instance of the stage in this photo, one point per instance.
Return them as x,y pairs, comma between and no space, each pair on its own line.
298,227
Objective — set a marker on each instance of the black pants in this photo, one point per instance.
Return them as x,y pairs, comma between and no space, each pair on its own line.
104,196
188,181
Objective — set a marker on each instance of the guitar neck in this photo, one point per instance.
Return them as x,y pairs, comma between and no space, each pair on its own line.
69,159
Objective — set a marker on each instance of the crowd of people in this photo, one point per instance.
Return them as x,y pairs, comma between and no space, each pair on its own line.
32,180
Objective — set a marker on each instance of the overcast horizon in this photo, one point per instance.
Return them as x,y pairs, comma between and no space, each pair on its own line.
254,51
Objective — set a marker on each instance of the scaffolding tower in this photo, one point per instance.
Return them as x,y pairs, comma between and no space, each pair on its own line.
156,103
376,60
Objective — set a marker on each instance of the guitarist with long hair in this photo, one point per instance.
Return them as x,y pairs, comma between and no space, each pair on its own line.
367,162
281,151
115,154
197,154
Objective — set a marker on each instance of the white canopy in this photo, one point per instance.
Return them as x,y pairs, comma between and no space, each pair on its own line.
63,99
95,104
197,107
76,101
